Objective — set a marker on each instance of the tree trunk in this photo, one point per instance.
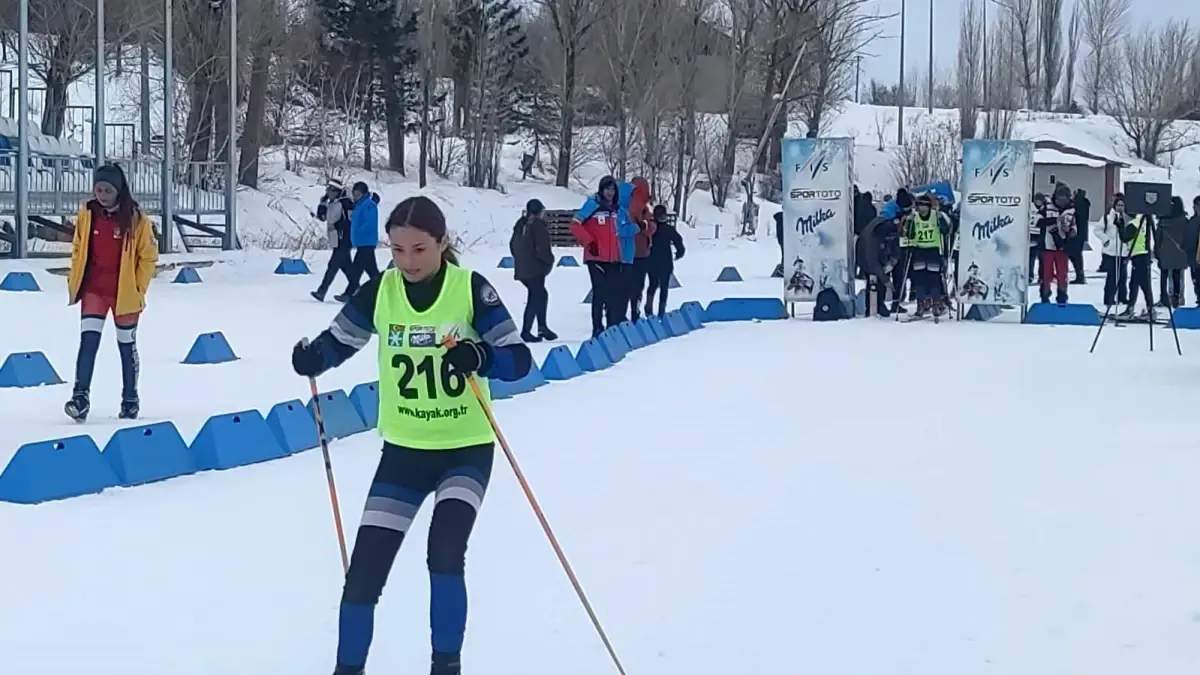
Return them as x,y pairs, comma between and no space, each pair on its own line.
369,116
198,127
256,111
423,152
54,107
393,105
566,137
144,93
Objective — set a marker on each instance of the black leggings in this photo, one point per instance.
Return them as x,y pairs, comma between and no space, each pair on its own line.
609,295
536,304
405,477
637,285
658,280
1139,280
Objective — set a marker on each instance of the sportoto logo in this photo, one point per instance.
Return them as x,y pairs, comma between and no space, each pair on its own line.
816,195
980,199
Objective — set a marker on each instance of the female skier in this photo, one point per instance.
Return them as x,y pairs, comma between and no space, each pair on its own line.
436,438
113,258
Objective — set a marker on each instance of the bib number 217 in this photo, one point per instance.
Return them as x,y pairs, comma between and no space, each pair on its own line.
452,384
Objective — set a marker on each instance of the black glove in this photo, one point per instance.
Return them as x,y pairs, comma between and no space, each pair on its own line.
678,255
466,357
593,250
306,360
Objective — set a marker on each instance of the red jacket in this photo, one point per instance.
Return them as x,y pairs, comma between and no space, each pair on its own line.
640,213
103,267
598,235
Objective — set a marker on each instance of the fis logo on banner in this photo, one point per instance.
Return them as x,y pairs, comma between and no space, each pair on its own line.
987,228
809,224
817,163
819,195
999,167
980,199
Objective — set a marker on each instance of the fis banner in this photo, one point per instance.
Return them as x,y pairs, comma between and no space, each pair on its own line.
818,218
993,259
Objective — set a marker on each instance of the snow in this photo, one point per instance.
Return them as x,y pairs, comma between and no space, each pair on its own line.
1050,156
772,489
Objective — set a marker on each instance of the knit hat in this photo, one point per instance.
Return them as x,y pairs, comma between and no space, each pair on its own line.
534,207
361,188
1062,190
903,199
111,174
334,184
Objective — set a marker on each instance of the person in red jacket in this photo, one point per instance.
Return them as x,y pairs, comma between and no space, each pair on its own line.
640,213
597,227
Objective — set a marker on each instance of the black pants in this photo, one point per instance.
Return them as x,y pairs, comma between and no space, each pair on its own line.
609,298
658,279
637,286
1170,286
1075,255
364,261
1139,280
1195,271
339,261
1116,279
536,303
405,477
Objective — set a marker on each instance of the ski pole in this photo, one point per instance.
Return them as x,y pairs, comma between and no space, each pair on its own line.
333,498
450,341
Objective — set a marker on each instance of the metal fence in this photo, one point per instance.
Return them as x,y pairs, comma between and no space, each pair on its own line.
59,184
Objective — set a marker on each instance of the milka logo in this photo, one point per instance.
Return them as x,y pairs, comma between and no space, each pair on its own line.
987,228
809,224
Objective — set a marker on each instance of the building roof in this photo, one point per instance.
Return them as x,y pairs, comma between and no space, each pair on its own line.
1055,152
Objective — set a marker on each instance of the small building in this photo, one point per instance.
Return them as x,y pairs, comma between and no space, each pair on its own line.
1054,163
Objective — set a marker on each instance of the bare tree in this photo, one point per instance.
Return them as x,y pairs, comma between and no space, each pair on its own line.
1074,34
1023,25
740,22
626,32
1152,90
970,66
1104,21
1050,30
687,39
842,28
931,152
573,21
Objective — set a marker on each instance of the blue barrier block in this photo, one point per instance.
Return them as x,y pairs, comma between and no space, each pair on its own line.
659,325
591,357
677,324
292,266
56,469
560,364
147,454
982,312
235,439
187,275
568,261
745,309
210,348
506,263
729,273
532,380
19,281
293,426
27,369
646,329
632,336
693,313
1187,318
674,283
612,345
587,299
365,398
1048,314
339,415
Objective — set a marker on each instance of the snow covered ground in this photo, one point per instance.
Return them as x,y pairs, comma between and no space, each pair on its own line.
843,498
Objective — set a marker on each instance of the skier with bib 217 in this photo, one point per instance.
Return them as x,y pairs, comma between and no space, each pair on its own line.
436,437
925,231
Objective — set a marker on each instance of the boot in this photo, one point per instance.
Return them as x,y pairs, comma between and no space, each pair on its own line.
318,296
345,670
530,338
1061,297
649,311
547,335
129,409
78,407
445,664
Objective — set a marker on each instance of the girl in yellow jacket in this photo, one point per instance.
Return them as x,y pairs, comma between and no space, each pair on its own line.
113,259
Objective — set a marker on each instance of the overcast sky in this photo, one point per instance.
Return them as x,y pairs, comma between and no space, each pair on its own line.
883,63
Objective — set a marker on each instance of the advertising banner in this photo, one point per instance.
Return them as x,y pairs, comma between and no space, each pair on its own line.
993,262
818,218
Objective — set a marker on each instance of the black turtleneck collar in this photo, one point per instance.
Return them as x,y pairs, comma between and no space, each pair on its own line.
422,294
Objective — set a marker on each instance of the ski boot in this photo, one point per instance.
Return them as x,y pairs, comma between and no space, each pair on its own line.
78,407
922,310
129,409
1061,298
445,664
1127,315
939,310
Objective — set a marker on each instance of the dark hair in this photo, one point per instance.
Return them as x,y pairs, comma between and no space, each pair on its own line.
423,213
127,209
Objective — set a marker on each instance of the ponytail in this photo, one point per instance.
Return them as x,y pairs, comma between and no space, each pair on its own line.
450,255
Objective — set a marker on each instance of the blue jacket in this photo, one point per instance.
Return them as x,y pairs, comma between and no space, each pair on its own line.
364,223
627,229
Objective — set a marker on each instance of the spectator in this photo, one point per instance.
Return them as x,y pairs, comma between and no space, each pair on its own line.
641,214
1035,238
532,262
778,272
599,226
1114,259
1076,245
364,235
1172,256
334,210
662,260
1057,224
1192,244
113,257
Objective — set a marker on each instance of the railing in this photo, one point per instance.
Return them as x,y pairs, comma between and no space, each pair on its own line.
59,184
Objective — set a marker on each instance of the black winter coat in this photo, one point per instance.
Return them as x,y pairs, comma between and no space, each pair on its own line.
662,257
530,248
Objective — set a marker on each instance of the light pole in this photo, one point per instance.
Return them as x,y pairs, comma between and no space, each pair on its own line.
98,117
930,97
231,176
21,236
167,181
900,102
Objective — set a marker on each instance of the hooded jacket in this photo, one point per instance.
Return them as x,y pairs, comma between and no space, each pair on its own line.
364,222
1109,231
530,248
639,213
1057,225
600,227
1169,248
